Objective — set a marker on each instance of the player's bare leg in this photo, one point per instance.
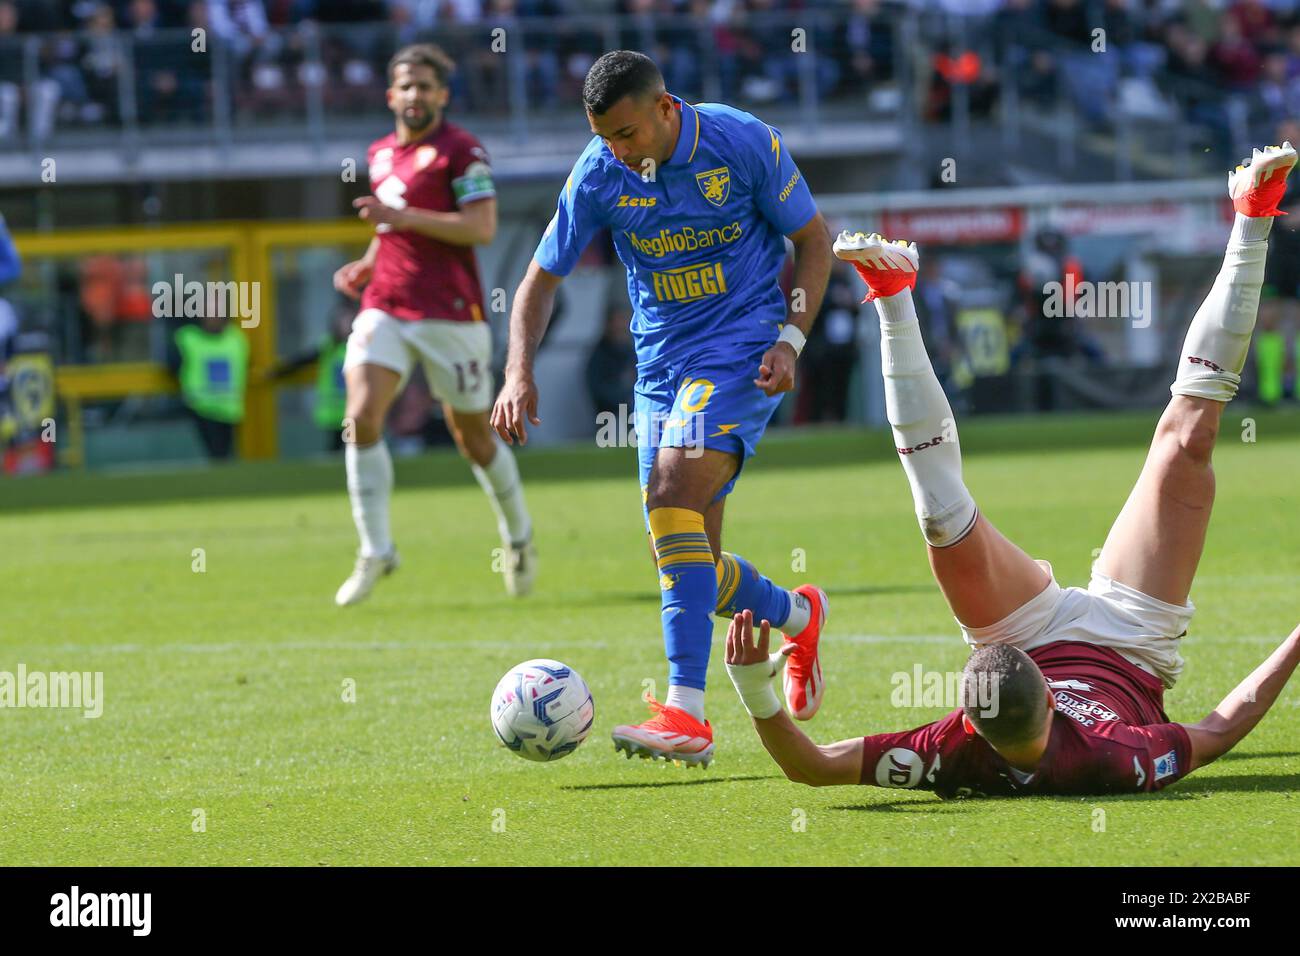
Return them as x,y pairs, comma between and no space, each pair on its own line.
983,576
494,466
1156,542
371,389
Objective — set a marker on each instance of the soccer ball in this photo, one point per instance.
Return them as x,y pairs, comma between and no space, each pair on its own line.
542,710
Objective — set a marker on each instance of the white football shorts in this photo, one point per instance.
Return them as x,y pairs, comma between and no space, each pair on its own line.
1143,630
456,356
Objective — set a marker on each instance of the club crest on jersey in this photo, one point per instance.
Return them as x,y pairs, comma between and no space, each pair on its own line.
715,184
425,155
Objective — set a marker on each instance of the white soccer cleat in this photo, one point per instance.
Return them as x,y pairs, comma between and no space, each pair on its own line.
520,570
886,267
1258,184
364,575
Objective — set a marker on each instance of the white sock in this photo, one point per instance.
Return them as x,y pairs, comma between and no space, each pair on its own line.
1218,339
800,614
925,432
370,484
689,699
500,482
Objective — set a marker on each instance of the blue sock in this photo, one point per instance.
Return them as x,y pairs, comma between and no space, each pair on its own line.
741,587
689,587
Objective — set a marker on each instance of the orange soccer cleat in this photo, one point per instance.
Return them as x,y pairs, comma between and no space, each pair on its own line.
803,671
672,734
887,267
1257,185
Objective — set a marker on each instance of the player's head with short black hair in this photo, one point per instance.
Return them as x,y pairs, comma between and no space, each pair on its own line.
618,74
1004,695
423,54
628,107
419,78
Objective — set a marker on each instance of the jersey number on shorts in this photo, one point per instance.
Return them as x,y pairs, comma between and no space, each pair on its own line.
695,394
475,375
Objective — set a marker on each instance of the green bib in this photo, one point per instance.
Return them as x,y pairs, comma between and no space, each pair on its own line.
331,393
214,371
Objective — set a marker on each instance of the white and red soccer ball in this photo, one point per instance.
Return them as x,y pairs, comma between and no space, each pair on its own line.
542,710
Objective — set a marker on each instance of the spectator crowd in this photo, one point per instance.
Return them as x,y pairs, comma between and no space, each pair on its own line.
1205,51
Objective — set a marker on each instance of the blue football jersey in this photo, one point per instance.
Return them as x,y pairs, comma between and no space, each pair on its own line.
702,241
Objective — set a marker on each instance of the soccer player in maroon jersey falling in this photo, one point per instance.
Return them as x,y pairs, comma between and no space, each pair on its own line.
434,201
1064,691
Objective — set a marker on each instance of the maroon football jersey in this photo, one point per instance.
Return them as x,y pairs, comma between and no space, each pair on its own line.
416,276
1110,734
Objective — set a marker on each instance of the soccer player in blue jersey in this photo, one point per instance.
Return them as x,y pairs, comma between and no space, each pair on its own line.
699,200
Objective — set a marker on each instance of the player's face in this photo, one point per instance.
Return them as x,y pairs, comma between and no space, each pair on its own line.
416,97
636,129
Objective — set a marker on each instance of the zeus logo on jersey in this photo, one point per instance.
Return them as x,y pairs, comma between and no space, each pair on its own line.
646,201
686,239
689,283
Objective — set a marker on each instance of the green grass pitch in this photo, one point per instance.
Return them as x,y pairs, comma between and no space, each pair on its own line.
224,690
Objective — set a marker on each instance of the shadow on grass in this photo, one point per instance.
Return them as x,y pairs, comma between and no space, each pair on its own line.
908,806
867,590
1242,783
1247,755
666,783
1193,788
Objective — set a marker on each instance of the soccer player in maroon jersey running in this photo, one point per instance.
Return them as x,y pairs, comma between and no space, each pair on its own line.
1064,690
434,201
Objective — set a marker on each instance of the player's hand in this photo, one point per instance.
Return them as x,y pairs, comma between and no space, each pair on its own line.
517,402
741,647
350,278
372,210
776,373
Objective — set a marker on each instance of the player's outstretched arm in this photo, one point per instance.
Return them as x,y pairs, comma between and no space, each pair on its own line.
1241,710
751,669
529,316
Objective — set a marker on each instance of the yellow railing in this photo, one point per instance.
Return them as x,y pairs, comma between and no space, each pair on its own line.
249,247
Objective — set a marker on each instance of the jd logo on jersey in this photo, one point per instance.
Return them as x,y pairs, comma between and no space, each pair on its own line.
715,184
